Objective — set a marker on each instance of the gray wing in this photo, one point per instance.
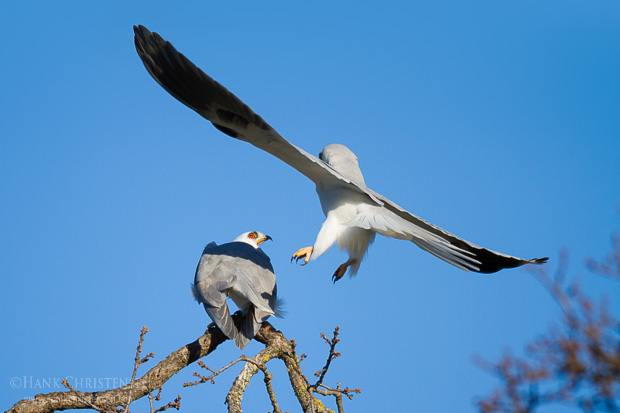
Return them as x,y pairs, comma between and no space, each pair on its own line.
258,286
192,87
394,221
256,283
213,278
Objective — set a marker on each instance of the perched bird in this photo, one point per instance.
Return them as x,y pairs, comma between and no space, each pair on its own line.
354,213
242,271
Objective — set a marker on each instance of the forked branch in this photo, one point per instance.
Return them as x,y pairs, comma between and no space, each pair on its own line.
276,346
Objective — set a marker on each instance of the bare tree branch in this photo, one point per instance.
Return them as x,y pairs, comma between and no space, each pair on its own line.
82,399
276,346
252,366
610,265
555,286
576,364
108,400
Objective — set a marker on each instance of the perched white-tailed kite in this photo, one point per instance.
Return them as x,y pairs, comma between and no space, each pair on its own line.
242,271
355,213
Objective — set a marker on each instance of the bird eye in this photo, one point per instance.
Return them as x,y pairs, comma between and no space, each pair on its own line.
251,235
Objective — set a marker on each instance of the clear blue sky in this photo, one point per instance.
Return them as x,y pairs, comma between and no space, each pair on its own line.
496,120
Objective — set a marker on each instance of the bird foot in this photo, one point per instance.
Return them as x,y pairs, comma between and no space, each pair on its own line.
341,270
303,253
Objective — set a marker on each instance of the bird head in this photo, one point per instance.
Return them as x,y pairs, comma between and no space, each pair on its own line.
254,238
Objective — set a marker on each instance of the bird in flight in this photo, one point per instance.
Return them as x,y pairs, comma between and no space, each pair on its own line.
354,213
242,271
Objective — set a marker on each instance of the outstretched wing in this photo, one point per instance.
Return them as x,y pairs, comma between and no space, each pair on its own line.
187,83
192,87
394,221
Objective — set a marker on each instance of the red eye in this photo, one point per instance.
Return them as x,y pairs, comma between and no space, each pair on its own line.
251,236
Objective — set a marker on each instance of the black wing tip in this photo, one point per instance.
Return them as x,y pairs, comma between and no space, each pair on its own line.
144,39
141,33
143,36
140,30
495,265
191,86
141,40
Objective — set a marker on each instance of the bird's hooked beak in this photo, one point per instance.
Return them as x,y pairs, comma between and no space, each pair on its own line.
261,240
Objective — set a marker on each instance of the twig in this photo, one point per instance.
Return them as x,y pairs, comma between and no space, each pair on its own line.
137,363
272,394
322,389
337,393
328,391
210,378
332,355
176,404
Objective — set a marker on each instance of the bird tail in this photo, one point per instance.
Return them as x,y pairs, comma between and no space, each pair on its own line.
249,328
254,318
278,308
221,317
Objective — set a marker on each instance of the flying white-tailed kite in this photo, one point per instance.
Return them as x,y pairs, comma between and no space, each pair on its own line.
242,271
354,212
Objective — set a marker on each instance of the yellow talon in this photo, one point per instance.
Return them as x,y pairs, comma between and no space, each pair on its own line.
304,253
